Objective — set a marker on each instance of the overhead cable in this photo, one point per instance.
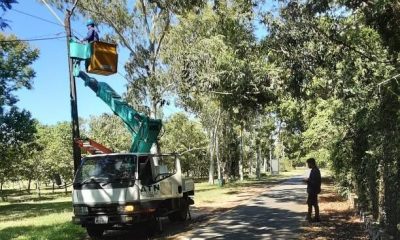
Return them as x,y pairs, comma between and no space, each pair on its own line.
31,40
43,19
52,12
37,17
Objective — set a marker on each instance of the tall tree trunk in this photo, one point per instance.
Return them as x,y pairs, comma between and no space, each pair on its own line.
264,164
270,159
29,185
381,194
218,158
211,167
213,136
258,168
65,187
38,187
1,191
241,154
155,149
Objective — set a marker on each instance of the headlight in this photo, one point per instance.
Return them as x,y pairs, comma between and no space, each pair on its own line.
81,210
126,209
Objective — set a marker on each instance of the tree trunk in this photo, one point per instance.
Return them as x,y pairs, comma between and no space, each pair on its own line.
211,168
258,168
1,191
65,187
38,187
155,149
241,154
270,160
29,185
264,164
218,159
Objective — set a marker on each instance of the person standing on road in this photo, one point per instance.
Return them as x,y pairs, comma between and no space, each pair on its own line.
313,189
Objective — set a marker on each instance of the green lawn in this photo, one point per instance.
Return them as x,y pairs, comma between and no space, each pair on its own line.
45,219
49,218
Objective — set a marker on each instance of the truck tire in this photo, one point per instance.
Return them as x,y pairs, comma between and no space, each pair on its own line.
95,233
181,214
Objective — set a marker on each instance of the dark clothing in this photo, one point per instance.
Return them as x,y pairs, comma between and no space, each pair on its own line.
314,182
313,189
92,36
312,199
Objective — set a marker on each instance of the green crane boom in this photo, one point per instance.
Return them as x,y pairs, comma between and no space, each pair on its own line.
144,130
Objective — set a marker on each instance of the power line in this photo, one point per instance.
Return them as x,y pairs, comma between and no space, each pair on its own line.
31,40
52,12
43,19
37,17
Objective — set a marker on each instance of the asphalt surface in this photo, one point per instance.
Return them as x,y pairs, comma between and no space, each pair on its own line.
275,214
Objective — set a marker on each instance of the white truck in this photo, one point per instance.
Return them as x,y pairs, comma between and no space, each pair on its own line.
120,190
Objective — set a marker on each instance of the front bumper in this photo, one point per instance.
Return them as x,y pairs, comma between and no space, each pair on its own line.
111,219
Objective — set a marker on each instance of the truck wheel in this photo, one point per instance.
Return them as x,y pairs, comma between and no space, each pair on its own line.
95,233
181,214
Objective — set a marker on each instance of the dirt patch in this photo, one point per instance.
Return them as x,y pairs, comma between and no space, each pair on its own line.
339,220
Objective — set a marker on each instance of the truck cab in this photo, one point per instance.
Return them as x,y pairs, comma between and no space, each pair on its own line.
122,189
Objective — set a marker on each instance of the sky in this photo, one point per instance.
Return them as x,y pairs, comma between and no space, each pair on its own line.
49,100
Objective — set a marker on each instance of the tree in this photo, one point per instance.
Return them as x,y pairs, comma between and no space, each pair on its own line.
110,131
186,137
5,5
16,130
332,64
16,126
214,58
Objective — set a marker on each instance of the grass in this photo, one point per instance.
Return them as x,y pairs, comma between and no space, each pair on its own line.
39,220
27,217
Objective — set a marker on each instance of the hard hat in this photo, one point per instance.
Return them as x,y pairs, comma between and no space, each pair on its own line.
89,22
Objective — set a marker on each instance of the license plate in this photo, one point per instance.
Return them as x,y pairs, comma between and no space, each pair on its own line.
101,220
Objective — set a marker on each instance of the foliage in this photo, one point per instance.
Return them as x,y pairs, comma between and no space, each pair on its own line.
186,137
5,5
332,61
16,126
110,131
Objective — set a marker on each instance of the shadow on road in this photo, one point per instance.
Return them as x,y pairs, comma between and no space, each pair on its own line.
276,214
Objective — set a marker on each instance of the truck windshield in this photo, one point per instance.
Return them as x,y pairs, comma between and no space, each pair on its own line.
106,168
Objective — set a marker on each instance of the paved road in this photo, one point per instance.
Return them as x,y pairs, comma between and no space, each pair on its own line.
275,214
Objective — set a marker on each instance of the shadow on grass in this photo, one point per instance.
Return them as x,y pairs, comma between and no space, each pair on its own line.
232,192
60,231
13,196
26,210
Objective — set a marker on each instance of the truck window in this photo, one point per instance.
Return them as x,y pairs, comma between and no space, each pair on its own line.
111,168
145,174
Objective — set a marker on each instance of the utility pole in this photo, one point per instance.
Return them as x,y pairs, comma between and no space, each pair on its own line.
73,99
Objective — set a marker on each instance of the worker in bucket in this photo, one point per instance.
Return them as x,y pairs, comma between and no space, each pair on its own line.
92,34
